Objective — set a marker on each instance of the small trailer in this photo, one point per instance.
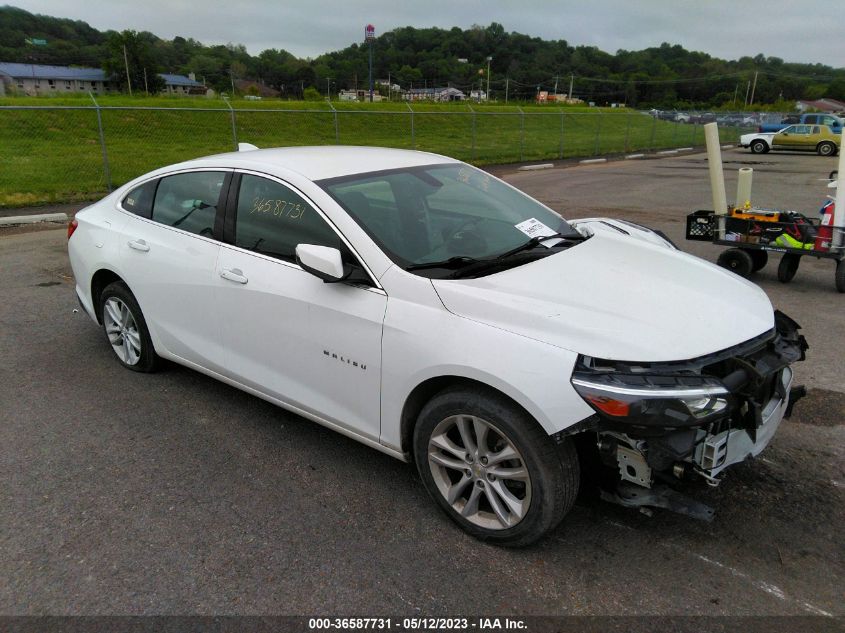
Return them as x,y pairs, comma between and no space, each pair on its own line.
752,234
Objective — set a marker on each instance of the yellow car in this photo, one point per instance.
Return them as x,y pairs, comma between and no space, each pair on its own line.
799,137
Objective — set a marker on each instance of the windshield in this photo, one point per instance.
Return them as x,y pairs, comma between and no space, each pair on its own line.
453,214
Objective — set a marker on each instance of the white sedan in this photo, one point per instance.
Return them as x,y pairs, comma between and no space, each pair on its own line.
435,313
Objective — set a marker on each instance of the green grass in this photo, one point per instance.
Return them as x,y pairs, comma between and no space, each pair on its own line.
52,154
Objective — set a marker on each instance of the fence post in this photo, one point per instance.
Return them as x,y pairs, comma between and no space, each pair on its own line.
521,134
413,136
598,133
627,133
234,125
106,170
473,131
653,130
336,128
560,150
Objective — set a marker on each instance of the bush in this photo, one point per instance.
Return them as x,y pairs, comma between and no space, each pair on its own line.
311,94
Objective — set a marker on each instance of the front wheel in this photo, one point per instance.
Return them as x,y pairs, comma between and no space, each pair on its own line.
788,267
492,469
126,329
759,147
840,275
737,261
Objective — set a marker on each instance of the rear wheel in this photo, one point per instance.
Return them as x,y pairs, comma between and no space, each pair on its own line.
826,148
759,147
492,469
126,329
737,261
788,267
840,275
759,259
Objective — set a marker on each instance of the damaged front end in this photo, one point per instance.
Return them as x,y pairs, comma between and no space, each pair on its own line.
658,423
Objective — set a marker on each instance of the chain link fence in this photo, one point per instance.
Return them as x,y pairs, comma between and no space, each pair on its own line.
70,153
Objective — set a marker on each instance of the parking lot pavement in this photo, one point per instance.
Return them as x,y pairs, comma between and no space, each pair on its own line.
175,494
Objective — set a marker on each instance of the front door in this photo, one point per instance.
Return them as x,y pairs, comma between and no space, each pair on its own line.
314,345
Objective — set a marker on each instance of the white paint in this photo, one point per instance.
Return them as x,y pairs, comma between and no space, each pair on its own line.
631,156
685,149
666,152
593,160
536,167
727,146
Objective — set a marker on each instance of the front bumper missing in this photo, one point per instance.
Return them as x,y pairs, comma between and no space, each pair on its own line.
714,453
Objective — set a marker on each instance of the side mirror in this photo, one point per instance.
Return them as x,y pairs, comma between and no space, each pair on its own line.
321,261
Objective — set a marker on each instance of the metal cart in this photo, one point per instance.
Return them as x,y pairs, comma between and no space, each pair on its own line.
752,235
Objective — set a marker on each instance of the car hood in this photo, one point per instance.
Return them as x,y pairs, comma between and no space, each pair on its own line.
617,298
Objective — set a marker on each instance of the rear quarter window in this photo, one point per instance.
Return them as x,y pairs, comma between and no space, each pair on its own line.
140,200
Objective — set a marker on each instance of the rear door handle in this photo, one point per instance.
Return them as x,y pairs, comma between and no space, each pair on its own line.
234,274
139,245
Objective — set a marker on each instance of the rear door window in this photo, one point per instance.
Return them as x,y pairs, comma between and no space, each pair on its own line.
189,201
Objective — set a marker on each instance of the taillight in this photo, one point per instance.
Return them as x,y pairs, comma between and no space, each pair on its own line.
71,227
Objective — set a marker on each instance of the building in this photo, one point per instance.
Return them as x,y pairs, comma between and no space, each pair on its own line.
359,95
821,105
181,85
434,94
36,79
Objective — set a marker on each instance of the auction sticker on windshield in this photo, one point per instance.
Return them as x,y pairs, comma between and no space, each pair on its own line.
534,228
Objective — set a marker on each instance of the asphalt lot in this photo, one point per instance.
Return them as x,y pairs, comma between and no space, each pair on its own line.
174,494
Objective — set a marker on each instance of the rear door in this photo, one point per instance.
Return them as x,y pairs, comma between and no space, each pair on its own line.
315,346
168,253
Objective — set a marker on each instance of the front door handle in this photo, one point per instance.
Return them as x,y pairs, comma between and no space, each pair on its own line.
139,245
234,274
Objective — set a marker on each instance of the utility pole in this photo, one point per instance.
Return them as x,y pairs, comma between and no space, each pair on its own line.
146,87
571,81
328,88
736,90
232,80
489,59
507,86
126,62
753,88
555,87
369,37
747,88
389,87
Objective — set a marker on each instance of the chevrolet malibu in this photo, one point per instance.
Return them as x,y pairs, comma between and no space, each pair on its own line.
435,313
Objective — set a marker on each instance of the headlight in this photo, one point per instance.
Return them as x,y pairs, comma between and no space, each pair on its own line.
665,401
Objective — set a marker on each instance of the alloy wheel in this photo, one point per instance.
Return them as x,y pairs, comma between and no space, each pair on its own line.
480,472
122,331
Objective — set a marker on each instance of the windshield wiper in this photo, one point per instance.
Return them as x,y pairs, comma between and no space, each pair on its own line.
452,262
534,241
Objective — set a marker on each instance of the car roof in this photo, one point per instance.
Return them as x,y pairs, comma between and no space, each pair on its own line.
320,162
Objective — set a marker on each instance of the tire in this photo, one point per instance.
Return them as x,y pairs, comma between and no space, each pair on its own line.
840,275
759,259
788,267
737,261
826,148
759,147
125,328
451,461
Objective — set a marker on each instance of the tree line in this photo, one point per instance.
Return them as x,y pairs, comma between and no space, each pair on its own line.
520,65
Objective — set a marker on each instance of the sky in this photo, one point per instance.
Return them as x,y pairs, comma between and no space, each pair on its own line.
806,31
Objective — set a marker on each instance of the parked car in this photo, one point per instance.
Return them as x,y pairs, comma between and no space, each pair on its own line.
830,120
809,138
433,312
682,117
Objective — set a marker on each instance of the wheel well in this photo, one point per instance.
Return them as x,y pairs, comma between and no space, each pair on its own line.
425,391
101,279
